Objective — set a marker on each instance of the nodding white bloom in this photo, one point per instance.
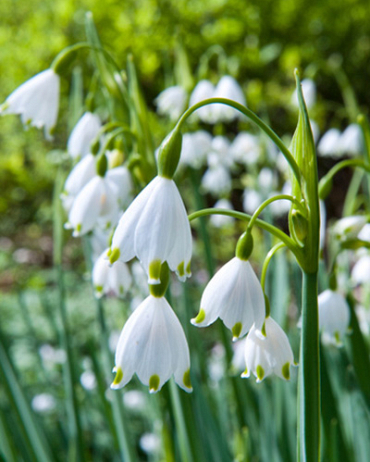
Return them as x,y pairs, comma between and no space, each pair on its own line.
309,93
228,88
37,101
220,153
195,147
156,229
251,200
99,240
80,175
217,181
329,143
153,345
120,179
83,134
245,149
96,204
107,278
267,352
203,90
364,234
172,102
221,220
334,316
361,271
234,294
351,142
349,227
266,179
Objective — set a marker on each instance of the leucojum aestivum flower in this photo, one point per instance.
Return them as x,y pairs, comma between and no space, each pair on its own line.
155,228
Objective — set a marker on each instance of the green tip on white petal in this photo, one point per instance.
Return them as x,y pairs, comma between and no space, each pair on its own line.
236,330
117,379
337,338
114,255
4,106
260,373
245,374
181,270
77,230
186,381
188,269
199,318
98,290
154,383
285,370
155,272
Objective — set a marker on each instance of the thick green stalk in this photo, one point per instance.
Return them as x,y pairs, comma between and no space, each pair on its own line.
309,378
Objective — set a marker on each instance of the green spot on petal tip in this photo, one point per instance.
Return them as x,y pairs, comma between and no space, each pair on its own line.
119,376
114,255
181,269
260,372
200,317
186,380
154,383
188,268
236,330
285,370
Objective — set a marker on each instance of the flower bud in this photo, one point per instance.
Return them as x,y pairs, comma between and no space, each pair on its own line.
169,154
244,246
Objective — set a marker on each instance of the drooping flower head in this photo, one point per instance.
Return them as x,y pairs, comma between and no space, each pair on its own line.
172,101
83,134
334,316
267,351
107,278
36,101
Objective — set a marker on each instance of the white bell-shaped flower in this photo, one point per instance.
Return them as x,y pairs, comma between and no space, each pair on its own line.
351,141
220,153
156,229
96,203
228,88
251,200
37,101
329,143
268,351
349,227
120,179
234,294
83,134
107,278
361,271
80,175
195,147
203,90
245,149
152,345
334,316
172,102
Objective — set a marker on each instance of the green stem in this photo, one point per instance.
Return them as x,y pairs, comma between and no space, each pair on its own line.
309,375
273,199
288,241
360,163
266,263
252,116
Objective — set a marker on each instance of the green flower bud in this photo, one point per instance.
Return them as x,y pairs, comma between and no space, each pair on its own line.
169,154
298,226
102,165
244,246
158,290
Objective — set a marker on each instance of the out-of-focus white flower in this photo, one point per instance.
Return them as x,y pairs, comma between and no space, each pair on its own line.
44,402
228,88
266,179
322,223
309,93
203,90
238,361
88,380
349,227
156,229
268,352
222,220
80,175
107,278
217,181
363,316
120,179
361,271
195,147
134,400
315,131
97,203
150,443
99,240
251,200
140,278
37,101
153,345
334,316
351,142
216,364
172,102
245,149
83,134
329,143
51,355
234,294
364,234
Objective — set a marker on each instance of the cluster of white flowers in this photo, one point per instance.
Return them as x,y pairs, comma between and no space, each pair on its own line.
336,144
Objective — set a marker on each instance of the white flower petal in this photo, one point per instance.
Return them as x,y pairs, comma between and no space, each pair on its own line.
83,134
